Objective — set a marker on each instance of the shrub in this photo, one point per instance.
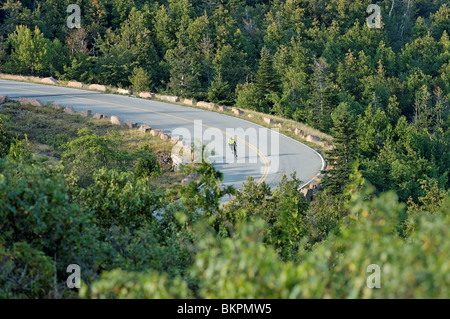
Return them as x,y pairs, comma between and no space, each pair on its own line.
119,284
140,80
25,272
5,140
148,165
116,198
89,152
35,208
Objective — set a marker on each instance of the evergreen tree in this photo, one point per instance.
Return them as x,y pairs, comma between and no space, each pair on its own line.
28,53
57,57
184,79
140,80
267,80
14,13
342,156
372,131
350,73
292,63
441,21
230,62
419,29
247,96
422,108
218,92
80,68
321,99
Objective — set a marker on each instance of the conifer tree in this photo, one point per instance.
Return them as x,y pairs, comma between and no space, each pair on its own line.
320,103
267,80
28,50
183,73
341,157
219,90
419,29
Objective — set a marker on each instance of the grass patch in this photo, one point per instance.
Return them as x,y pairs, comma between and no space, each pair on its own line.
53,128
47,129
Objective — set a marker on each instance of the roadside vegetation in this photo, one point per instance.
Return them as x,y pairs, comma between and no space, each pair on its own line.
86,144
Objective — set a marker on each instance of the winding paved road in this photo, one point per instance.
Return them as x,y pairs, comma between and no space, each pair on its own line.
262,153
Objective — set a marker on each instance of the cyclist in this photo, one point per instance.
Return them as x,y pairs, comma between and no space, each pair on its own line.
233,145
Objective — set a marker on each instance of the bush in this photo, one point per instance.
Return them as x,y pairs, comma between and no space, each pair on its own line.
89,152
35,208
25,272
20,150
147,248
140,80
5,140
116,198
243,267
119,284
247,97
282,209
148,165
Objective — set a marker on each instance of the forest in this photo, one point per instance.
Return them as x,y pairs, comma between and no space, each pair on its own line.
382,93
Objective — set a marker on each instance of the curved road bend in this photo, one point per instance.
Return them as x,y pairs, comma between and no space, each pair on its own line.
262,153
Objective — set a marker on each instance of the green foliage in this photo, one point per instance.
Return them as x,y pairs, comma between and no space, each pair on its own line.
148,165
219,91
35,208
434,201
205,194
25,272
292,63
266,80
288,225
344,153
321,96
147,248
282,210
408,269
302,57
242,267
183,72
20,150
116,198
57,57
440,22
118,284
115,67
373,130
89,152
28,50
247,96
140,80
249,203
5,140
79,68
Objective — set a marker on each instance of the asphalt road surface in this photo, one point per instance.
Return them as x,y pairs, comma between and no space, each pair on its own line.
263,153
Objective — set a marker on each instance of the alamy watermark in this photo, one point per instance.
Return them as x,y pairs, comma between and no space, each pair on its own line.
374,20
374,279
74,280
74,20
254,145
